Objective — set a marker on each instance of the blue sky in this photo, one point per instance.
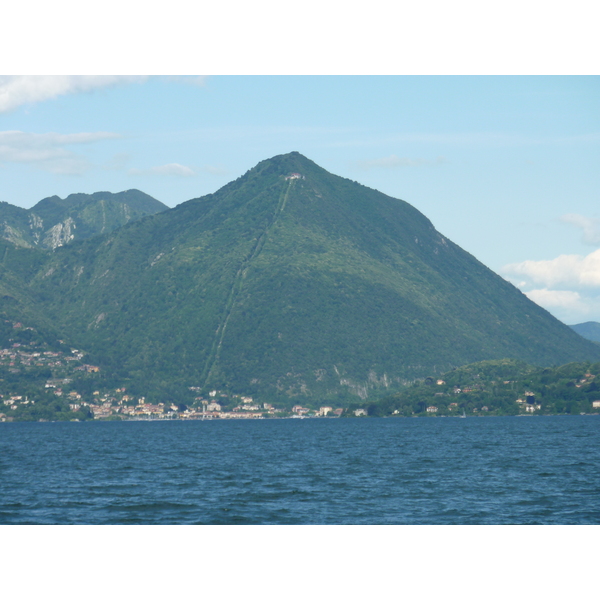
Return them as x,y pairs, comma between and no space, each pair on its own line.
505,166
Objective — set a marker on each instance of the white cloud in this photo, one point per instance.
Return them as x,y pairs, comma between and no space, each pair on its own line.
568,286
589,226
48,150
170,169
567,270
27,89
568,306
556,298
393,161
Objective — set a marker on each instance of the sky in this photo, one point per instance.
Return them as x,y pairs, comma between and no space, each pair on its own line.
507,167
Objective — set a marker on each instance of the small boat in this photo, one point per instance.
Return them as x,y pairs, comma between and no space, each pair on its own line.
463,416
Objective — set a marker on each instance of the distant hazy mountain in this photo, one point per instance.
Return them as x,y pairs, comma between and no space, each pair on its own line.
287,283
54,221
589,330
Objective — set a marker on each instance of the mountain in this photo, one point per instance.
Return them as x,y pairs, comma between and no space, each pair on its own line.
289,283
589,330
55,221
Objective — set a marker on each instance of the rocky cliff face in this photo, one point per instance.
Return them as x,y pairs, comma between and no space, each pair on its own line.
60,234
55,222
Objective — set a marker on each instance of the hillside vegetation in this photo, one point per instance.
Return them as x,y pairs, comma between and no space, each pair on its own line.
499,387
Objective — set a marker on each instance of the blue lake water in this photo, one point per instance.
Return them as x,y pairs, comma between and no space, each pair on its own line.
493,470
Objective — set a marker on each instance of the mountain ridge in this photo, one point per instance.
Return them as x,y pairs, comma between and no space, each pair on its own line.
56,221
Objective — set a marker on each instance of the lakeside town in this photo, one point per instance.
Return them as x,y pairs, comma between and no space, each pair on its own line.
204,409
120,405
35,374
43,383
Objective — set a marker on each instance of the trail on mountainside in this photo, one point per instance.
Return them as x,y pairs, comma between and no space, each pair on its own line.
237,285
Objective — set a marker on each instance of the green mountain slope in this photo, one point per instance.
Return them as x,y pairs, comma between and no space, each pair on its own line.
293,284
55,221
18,265
16,225
589,330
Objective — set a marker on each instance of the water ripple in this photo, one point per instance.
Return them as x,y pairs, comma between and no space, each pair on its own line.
330,471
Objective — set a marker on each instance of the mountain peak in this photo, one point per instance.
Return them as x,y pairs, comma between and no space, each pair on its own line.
285,164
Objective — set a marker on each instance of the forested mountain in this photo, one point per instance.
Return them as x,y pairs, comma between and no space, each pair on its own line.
289,284
55,221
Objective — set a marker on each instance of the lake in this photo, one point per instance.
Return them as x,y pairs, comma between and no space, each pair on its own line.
492,470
